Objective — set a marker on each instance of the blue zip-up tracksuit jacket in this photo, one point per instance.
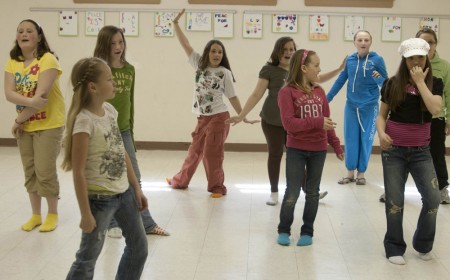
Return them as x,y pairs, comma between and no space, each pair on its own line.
361,108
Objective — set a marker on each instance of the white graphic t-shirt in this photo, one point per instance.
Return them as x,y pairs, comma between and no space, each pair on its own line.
106,170
210,85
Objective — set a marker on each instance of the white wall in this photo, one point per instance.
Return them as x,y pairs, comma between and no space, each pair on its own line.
164,79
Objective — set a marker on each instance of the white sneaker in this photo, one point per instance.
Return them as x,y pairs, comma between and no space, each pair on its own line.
445,199
273,199
115,232
322,194
425,256
398,260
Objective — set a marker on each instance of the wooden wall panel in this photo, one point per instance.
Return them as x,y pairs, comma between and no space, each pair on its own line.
119,1
351,3
236,2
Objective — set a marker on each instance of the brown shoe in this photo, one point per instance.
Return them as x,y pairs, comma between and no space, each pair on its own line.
360,181
346,180
159,231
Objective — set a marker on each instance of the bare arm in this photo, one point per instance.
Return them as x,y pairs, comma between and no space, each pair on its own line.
236,104
14,97
385,140
180,35
252,100
140,198
45,83
329,75
80,143
432,102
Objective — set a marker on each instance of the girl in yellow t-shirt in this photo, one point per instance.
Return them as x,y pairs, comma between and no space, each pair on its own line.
32,84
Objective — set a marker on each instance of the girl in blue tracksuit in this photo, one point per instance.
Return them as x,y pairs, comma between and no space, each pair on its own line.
365,72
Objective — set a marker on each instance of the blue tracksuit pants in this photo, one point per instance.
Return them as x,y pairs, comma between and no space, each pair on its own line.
359,132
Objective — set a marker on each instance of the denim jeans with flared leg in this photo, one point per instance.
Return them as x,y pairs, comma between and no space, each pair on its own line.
398,162
123,208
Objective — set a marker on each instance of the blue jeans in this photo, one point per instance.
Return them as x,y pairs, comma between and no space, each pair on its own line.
398,162
296,161
123,208
149,223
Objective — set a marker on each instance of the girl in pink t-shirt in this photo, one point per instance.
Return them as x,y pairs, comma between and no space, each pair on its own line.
305,115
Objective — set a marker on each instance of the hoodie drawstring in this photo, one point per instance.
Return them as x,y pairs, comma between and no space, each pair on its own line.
357,68
359,120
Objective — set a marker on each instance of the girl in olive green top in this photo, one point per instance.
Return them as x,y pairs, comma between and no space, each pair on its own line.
111,46
272,77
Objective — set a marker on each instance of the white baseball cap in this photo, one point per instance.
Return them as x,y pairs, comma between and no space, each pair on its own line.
414,46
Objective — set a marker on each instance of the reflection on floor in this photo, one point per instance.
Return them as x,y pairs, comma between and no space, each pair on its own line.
233,237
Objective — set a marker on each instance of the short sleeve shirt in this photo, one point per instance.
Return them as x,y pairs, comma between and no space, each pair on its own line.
105,166
52,115
276,76
211,85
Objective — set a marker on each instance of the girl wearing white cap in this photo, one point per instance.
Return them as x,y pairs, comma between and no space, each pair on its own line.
408,101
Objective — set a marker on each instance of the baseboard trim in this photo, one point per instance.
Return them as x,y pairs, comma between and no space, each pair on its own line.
8,142
184,146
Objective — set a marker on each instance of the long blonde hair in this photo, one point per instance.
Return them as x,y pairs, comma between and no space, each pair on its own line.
84,71
295,76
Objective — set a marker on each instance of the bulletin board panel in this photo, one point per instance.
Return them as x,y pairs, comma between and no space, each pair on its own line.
119,1
235,2
351,3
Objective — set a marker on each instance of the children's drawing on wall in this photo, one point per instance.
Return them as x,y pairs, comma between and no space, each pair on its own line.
163,24
68,23
429,22
94,22
252,26
318,28
391,30
284,23
198,21
223,25
351,25
129,22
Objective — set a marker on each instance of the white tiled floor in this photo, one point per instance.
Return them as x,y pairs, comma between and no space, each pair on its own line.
232,238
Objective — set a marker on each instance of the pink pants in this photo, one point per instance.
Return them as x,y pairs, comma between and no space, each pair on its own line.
208,141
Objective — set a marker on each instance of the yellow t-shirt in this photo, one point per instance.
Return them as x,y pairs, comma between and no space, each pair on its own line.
52,115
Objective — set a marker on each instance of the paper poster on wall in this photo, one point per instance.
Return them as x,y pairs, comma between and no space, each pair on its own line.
198,21
351,26
429,22
318,28
284,23
391,30
252,26
163,24
94,22
68,23
129,22
223,25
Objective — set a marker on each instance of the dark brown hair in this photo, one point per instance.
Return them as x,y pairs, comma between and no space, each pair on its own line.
42,47
204,59
278,50
395,92
427,31
104,42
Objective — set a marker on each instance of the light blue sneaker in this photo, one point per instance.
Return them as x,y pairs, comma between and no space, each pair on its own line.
283,239
305,240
